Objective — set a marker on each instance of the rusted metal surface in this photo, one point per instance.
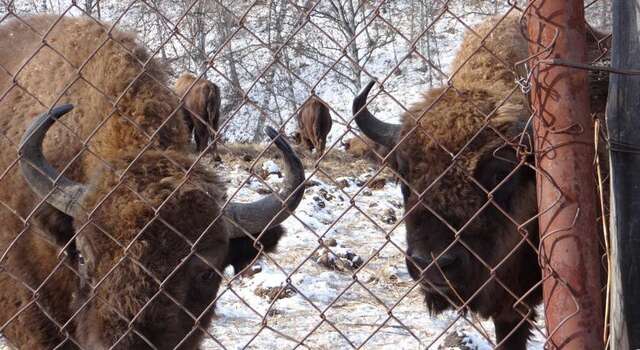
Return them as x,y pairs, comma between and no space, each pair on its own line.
564,156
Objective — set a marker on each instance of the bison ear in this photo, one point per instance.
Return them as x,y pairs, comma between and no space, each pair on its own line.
500,172
514,119
498,164
509,114
54,226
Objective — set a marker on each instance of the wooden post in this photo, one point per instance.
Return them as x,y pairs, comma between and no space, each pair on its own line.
623,123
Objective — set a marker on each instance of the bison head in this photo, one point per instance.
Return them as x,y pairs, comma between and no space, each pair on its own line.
297,138
469,196
150,242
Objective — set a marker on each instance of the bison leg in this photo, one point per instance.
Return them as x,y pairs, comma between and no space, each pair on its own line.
201,134
512,341
188,120
214,145
320,148
308,144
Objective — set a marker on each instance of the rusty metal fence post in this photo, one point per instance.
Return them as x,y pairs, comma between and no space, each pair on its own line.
623,125
566,185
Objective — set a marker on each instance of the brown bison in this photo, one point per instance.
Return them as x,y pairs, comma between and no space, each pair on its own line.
111,237
314,124
469,190
201,101
364,147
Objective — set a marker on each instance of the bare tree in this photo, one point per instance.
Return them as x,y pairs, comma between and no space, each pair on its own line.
92,8
224,28
277,13
360,36
428,42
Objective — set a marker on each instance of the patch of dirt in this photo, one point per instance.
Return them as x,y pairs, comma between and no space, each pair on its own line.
338,258
335,163
273,293
457,340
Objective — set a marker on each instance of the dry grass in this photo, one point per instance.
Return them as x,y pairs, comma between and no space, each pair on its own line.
335,163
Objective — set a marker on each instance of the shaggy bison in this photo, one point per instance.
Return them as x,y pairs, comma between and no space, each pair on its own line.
202,108
111,237
469,192
364,147
314,124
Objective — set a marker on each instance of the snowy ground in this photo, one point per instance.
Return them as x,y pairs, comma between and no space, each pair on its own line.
377,307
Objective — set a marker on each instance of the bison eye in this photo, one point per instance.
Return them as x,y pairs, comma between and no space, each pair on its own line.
207,275
498,176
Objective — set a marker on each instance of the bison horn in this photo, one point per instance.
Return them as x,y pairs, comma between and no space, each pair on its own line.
59,191
269,211
383,133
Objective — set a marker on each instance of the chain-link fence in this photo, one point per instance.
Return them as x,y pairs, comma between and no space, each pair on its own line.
300,174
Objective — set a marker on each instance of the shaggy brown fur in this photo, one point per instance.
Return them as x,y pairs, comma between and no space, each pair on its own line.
138,215
452,128
364,147
359,146
314,124
202,108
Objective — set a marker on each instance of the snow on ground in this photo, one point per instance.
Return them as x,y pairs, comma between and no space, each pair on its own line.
374,307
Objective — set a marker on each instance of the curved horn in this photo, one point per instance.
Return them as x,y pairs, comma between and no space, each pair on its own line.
39,174
380,132
254,217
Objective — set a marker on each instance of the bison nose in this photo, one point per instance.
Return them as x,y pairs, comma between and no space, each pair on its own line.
446,260
420,261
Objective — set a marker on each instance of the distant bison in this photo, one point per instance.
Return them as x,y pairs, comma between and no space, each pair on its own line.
202,108
364,147
314,124
360,146
469,190
111,236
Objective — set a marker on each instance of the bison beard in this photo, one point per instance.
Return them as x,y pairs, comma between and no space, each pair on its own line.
464,243
146,240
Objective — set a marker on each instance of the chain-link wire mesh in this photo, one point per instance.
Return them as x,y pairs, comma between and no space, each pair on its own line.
160,222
